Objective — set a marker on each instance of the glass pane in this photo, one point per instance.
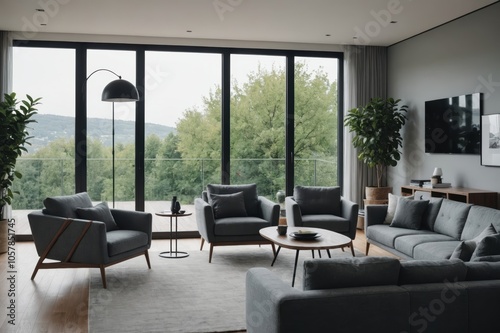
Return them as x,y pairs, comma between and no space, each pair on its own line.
48,167
100,171
258,122
183,130
316,145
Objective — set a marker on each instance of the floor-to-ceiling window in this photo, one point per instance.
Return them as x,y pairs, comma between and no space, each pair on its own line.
105,183
48,165
257,122
183,128
191,98
316,120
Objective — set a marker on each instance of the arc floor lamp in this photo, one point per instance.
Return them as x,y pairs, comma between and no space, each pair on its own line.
118,90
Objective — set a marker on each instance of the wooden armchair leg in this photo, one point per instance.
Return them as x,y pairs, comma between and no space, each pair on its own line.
210,254
37,267
146,254
367,247
103,276
352,249
202,242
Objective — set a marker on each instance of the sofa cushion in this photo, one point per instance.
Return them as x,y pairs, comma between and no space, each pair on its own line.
488,246
386,235
252,204
431,271
228,205
406,244
434,250
451,218
409,213
465,249
350,272
431,213
65,206
478,219
481,270
239,226
120,241
392,204
317,199
99,212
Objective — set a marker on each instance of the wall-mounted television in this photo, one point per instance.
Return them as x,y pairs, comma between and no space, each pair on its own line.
452,124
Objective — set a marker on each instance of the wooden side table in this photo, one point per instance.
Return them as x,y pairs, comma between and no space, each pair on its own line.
173,253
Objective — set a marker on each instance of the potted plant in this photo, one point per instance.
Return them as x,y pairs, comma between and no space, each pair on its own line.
14,118
377,137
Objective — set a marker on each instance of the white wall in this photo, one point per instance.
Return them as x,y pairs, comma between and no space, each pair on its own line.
460,57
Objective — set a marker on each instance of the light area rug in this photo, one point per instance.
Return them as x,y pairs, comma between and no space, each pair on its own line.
185,295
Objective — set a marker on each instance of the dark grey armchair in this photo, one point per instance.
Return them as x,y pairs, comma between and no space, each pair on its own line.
233,215
76,234
321,207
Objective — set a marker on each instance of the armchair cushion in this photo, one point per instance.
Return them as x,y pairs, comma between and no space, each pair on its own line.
252,205
65,206
239,226
121,241
228,205
318,200
99,212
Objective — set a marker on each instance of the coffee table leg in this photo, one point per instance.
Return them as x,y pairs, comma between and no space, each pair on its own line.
295,267
328,251
276,256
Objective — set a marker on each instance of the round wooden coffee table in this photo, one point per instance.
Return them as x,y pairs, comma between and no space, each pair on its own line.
326,241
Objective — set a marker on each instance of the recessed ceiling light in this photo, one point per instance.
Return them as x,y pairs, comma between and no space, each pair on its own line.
394,22
355,37
189,30
327,35
40,10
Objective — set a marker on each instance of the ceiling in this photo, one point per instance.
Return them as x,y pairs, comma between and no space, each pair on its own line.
298,21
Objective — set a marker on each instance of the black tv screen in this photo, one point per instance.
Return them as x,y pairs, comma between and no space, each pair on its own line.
452,125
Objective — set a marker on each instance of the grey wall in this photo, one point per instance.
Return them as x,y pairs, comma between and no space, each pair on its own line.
460,57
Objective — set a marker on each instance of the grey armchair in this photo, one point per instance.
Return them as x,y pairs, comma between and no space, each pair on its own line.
76,234
321,207
233,215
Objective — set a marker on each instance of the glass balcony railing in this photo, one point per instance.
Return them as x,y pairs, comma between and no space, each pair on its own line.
164,178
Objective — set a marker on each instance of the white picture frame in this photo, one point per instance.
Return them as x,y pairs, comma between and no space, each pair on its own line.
490,140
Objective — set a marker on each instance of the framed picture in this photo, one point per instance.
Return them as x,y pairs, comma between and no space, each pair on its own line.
490,140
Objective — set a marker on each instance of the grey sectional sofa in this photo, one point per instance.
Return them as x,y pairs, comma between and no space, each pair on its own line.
375,294
444,225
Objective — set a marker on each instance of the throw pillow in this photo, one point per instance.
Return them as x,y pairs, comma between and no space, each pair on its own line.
392,204
409,214
228,205
488,246
99,212
466,248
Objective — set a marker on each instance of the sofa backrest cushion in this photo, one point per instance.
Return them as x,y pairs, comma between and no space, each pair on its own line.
99,212
350,272
65,206
481,270
250,195
318,199
451,218
478,219
431,271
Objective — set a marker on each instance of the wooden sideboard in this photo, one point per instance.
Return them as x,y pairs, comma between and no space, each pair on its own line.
462,194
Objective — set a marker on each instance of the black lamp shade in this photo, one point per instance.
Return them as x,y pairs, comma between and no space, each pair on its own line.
120,91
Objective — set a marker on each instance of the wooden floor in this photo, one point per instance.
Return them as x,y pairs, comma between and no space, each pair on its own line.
57,300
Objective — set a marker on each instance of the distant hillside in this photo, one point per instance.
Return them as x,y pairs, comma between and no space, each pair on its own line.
52,127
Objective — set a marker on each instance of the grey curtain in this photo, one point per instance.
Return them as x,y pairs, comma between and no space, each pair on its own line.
365,78
5,63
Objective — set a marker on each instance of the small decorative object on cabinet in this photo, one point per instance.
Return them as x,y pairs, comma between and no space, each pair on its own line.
462,194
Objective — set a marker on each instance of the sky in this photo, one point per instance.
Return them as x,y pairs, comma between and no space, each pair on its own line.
175,81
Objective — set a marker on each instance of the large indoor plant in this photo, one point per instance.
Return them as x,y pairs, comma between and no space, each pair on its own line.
376,127
14,119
